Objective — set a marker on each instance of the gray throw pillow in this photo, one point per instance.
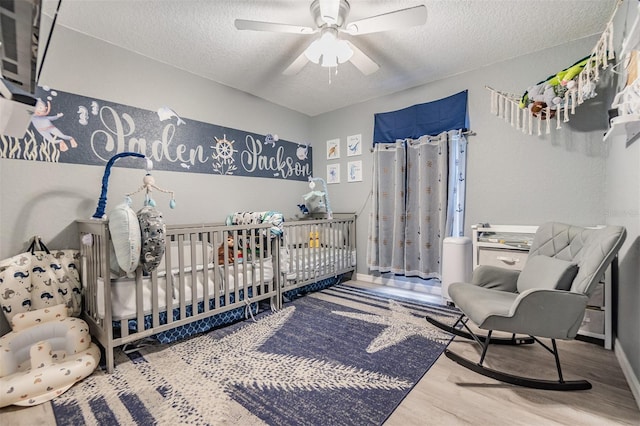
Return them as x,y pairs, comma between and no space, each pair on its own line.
547,273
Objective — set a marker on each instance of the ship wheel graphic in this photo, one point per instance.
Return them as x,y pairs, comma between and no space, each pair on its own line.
223,149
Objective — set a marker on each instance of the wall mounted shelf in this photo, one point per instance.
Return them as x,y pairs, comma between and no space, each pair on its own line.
629,127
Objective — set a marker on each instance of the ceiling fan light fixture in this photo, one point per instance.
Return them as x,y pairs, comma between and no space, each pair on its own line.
343,51
314,51
328,50
329,61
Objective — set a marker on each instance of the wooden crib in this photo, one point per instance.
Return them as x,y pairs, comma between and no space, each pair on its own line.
314,252
191,291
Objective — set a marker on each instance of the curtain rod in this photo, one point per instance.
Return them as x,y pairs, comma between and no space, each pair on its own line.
465,133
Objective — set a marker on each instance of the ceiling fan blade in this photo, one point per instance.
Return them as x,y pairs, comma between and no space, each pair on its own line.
329,10
361,61
243,24
296,65
389,21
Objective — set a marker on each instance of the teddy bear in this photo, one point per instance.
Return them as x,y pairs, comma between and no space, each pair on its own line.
540,97
230,254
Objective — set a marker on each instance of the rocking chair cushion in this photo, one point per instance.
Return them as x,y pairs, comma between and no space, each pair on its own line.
479,303
495,278
547,273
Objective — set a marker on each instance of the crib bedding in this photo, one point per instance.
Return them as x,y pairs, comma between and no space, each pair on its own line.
275,219
123,290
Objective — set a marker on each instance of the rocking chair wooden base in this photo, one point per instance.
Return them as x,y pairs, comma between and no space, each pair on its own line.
485,341
571,385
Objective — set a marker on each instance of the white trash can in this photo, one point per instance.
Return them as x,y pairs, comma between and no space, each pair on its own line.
456,262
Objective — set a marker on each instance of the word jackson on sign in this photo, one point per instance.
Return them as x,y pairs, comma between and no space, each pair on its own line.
69,128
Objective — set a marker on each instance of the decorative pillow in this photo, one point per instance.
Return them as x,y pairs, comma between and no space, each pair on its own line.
152,230
547,273
125,236
40,279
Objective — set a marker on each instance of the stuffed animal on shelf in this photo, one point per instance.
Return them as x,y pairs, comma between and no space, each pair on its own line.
230,255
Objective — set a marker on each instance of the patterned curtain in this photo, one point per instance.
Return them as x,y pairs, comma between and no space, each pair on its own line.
408,220
387,216
457,183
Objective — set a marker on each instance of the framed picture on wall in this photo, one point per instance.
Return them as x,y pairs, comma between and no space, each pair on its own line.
333,149
354,171
354,145
333,173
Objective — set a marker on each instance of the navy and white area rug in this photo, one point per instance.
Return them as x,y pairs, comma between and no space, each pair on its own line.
342,356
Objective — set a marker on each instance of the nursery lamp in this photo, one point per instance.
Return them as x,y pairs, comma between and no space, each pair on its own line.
328,50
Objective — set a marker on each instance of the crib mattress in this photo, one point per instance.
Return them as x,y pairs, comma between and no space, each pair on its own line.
123,290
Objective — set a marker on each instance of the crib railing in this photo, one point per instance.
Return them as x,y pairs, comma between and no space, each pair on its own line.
313,250
173,295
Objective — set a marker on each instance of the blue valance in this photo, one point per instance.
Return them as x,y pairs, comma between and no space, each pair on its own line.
430,118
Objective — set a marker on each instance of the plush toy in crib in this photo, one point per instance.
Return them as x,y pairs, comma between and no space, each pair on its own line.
230,256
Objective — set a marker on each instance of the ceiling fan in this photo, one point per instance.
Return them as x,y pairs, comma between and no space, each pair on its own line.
330,17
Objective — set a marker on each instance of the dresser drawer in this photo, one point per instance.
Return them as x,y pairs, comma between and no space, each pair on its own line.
510,259
593,321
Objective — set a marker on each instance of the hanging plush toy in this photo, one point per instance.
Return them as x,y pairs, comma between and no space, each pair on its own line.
541,96
550,92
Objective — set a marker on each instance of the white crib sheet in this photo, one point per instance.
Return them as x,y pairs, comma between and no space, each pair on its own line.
305,263
123,290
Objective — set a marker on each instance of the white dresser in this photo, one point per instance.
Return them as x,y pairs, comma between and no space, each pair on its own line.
507,246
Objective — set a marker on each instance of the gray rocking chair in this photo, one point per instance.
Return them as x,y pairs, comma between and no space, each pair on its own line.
546,300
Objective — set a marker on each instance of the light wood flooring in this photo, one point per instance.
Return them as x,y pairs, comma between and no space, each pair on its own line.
449,394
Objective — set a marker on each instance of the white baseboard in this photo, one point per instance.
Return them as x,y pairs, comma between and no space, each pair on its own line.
632,379
403,284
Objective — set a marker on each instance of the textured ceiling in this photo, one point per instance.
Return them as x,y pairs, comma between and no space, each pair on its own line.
460,35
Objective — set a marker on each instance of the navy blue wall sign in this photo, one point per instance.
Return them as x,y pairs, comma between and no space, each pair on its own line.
69,128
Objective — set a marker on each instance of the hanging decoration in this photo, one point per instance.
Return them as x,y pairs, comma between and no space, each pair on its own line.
148,185
102,201
556,97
